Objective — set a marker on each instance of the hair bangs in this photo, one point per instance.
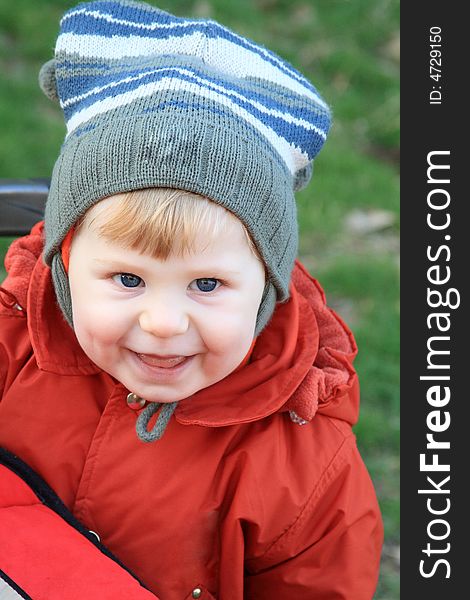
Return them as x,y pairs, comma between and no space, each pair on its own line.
162,221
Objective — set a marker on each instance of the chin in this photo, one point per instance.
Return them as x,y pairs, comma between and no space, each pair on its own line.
164,397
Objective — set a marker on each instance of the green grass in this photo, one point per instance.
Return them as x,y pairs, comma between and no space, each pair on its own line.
350,50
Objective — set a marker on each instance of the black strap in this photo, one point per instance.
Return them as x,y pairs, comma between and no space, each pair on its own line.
14,590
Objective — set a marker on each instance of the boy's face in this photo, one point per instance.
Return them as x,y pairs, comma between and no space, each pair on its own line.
165,328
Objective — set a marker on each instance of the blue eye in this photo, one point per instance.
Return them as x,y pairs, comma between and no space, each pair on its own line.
206,284
128,280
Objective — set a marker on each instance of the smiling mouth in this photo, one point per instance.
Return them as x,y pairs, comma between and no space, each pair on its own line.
162,362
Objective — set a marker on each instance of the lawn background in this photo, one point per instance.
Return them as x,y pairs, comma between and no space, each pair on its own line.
348,214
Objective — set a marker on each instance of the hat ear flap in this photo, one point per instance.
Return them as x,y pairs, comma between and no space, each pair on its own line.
47,80
60,280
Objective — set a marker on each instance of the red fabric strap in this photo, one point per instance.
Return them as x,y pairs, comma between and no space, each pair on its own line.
49,559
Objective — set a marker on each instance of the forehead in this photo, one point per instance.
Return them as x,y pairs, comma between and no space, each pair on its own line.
194,229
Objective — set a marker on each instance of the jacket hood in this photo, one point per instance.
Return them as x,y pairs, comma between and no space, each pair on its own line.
302,362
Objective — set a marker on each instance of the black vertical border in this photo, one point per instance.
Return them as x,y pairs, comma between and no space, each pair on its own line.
425,128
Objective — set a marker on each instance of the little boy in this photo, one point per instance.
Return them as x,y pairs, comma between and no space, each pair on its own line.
167,367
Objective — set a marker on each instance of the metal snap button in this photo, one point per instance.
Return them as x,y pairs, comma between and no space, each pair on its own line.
135,402
197,592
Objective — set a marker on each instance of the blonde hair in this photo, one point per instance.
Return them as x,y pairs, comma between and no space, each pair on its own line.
162,221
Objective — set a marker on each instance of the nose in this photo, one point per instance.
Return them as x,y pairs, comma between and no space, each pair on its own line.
164,320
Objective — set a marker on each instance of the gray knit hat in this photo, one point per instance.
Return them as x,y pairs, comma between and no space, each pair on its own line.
154,100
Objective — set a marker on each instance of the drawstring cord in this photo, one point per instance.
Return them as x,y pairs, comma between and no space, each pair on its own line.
12,302
162,421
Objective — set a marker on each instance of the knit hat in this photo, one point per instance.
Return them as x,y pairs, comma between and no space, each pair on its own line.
154,100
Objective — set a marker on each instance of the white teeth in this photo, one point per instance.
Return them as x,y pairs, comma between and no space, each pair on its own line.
158,361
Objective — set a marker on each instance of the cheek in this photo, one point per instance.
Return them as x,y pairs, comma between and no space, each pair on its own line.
95,322
230,332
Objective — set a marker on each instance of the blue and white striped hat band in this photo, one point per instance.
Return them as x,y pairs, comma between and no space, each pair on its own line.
151,99
105,57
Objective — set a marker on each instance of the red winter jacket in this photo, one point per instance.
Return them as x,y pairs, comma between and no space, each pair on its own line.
256,490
